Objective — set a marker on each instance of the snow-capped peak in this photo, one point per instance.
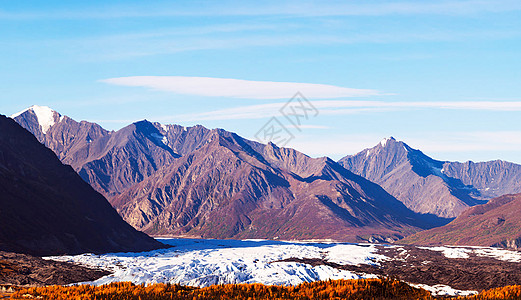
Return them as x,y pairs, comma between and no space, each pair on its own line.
384,141
44,114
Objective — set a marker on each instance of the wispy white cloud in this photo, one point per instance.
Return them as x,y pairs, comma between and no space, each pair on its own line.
238,88
344,107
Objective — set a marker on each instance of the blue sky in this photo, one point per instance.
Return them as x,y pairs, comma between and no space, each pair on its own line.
444,76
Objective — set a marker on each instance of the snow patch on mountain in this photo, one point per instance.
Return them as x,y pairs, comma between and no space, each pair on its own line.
44,114
161,138
438,172
384,142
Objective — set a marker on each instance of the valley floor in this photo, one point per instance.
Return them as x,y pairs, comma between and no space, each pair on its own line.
205,262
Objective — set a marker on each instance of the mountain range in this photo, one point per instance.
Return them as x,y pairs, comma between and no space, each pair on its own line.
47,209
196,182
170,180
426,185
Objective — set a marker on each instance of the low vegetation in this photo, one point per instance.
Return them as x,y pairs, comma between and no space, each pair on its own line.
338,289
333,289
512,292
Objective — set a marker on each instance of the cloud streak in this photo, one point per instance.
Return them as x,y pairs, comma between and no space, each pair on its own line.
238,88
344,107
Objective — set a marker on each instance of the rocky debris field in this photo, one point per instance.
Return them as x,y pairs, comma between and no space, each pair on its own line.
461,268
24,270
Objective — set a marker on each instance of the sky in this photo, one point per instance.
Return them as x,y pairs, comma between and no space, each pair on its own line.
329,77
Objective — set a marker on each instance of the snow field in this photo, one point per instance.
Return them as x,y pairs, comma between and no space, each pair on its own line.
207,262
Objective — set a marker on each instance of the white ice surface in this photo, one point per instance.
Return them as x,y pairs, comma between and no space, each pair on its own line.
465,251
499,254
206,262
451,252
443,290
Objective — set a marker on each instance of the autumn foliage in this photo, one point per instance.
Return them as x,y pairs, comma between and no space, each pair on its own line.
512,292
337,289
333,289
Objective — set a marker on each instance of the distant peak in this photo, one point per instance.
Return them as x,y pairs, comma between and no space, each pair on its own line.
33,108
384,141
143,122
45,115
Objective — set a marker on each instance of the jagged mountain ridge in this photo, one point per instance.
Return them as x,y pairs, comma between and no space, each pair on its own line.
60,133
175,180
492,178
116,161
494,224
47,209
109,161
426,185
226,189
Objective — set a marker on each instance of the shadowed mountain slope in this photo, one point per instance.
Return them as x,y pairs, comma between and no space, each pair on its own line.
47,209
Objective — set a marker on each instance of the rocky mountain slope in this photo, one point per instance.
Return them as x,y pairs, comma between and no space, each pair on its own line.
109,161
46,208
60,133
426,185
192,181
495,223
229,188
491,179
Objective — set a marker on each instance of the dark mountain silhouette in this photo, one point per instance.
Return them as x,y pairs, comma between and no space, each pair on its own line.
47,209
